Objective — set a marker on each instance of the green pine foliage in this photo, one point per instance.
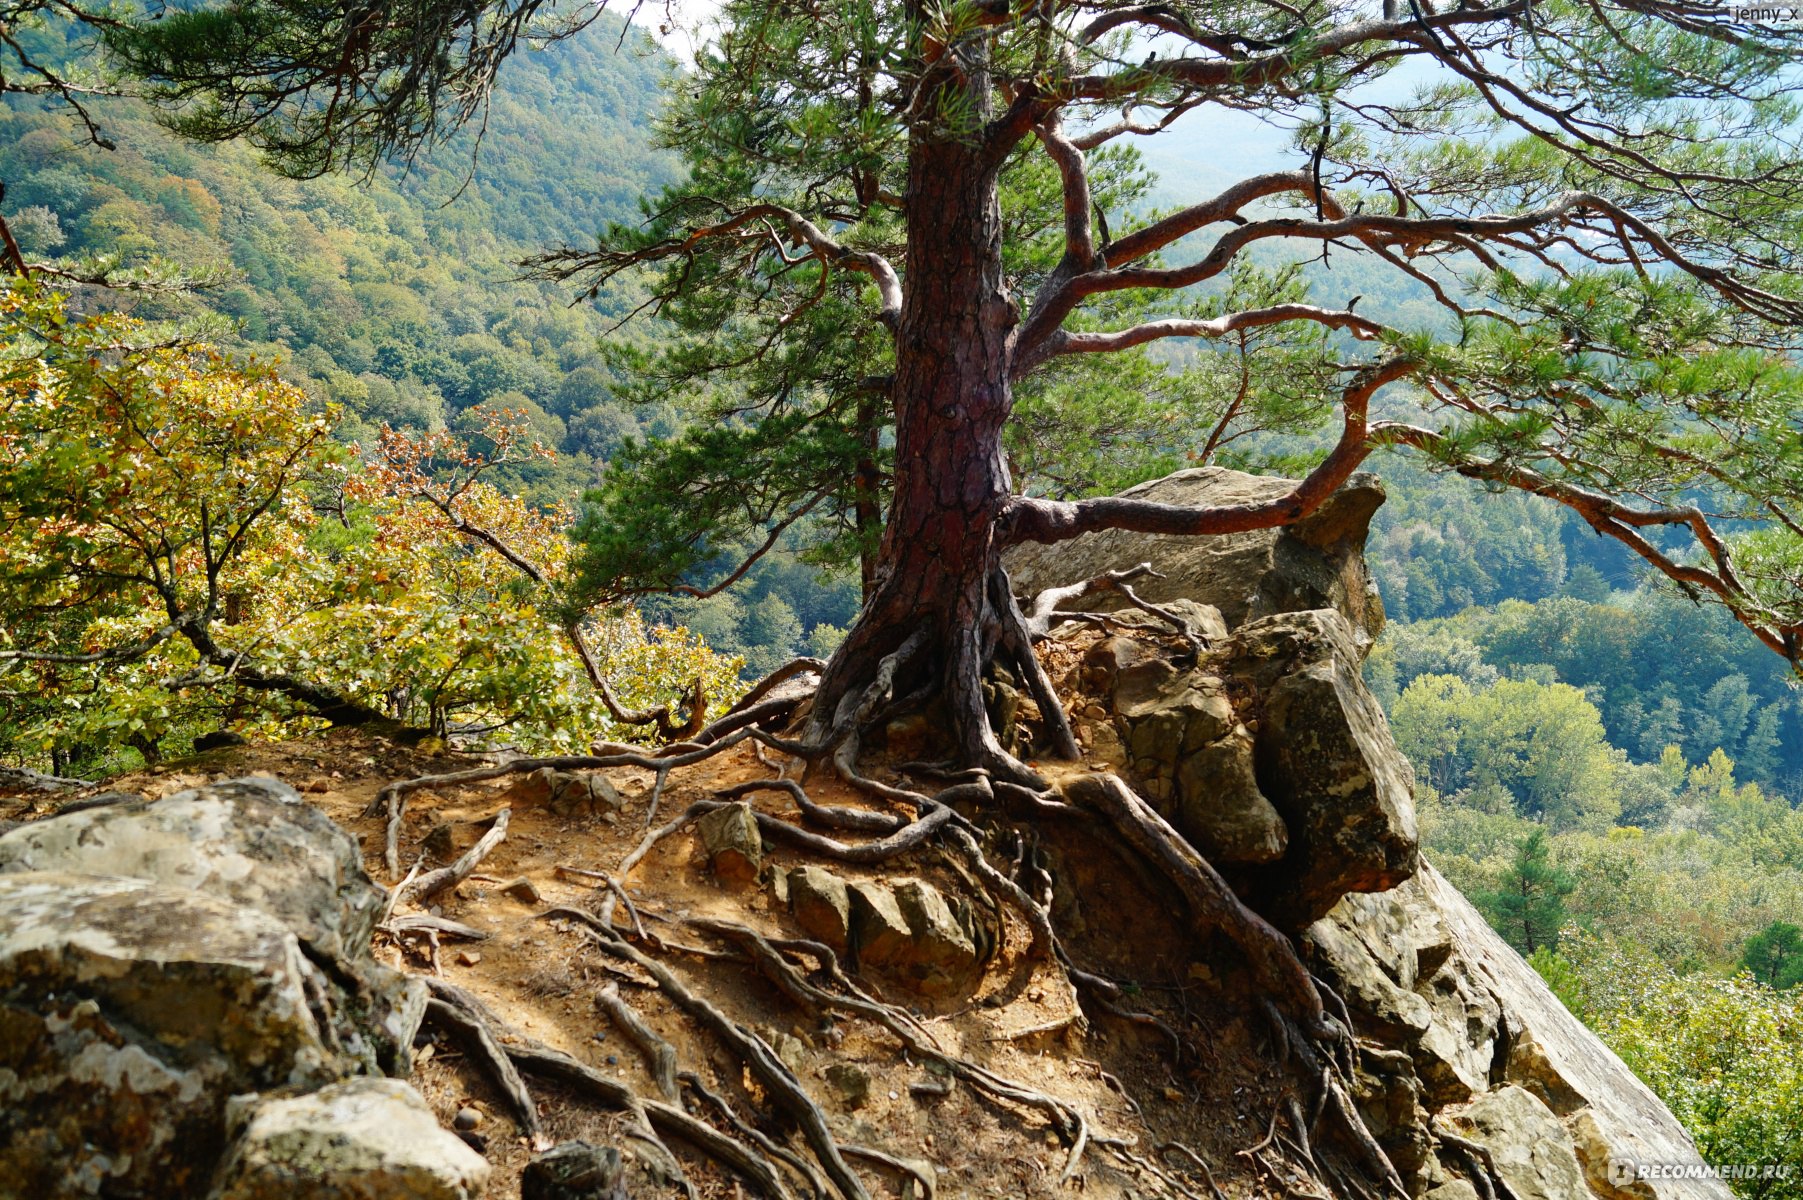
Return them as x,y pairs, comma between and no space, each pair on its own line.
1774,955
1528,908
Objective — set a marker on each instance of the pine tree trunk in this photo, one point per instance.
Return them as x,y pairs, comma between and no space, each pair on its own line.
937,564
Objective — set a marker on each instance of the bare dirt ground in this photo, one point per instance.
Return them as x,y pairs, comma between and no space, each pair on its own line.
1197,1089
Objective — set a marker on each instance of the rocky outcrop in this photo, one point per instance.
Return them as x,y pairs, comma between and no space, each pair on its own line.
158,958
1327,762
1486,1051
1267,751
1270,755
1316,563
128,1013
251,842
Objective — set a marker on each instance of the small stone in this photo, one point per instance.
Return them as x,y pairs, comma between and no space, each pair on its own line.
467,1119
734,848
316,785
613,1060
523,890
469,958
575,1171
852,1084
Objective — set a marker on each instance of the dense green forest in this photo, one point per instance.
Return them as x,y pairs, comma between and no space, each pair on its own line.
1613,772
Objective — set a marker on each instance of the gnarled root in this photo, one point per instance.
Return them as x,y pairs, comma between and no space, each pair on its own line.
1303,1031
505,1053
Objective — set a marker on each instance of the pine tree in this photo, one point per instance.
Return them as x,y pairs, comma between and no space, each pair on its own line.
1775,955
1528,908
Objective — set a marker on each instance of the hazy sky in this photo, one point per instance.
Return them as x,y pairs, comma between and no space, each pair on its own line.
1202,152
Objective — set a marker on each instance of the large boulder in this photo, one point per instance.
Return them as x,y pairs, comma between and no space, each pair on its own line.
1531,1151
158,959
1478,1035
129,1011
362,1139
1318,562
251,842
1327,763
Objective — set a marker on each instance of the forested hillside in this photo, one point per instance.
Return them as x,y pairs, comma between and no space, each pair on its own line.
398,296
395,461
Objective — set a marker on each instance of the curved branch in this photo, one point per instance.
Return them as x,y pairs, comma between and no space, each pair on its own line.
1079,241
1613,519
1067,342
566,264
1033,519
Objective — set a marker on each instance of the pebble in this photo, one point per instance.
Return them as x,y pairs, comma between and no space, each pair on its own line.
466,1119
613,1060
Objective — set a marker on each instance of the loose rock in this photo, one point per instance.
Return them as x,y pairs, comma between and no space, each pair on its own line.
734,848
363,1139
820,903
575,1171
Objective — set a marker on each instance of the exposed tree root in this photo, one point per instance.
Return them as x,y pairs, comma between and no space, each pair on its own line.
425,887
660,1056
775,1077
816,1182
1066,1119
471,1022
1213,905
451,1006
1310,1029
389,802
1480,1167
1045,615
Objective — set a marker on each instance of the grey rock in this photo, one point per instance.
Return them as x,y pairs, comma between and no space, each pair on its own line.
1316,563
1327,762
1531,1150
820,903
575,1171
734,848
251,842
566,793
1220,808
362,1139
1423,973
852,1084
129,1011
